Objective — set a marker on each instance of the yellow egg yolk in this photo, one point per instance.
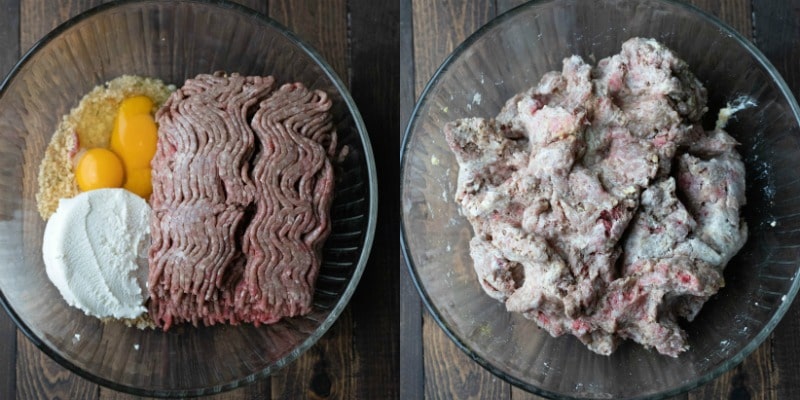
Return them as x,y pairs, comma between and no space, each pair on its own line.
99,168
136,105
134,139
138,181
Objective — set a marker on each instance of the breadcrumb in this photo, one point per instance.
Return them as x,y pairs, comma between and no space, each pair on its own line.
88,125
142,322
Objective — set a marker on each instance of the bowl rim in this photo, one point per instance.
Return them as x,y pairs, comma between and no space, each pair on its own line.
414,118
372,197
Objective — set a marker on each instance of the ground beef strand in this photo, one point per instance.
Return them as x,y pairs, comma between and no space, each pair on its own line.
242,188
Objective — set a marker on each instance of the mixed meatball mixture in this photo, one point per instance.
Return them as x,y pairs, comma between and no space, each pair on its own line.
601,208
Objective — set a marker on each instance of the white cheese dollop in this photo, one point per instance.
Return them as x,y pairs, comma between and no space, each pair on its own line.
95,252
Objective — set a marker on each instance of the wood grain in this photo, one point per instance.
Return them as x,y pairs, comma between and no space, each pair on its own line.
412,377
502,7
505,5
438,27
326,371
407,67
322,24
736,13
776,28
451,374
520,394
786,356
757,376
323,371
261,6
374,72
9,36
8,363
9,53
38,376
40,17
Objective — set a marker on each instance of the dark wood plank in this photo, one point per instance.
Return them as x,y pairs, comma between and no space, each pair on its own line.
37,17
327,369
777,35
756,377
374,75
322,24
8,357
776,29
520,394
438,27
39,377
516,393
786,357
108,394
9,54
257,390
736,13
505,5
407,94
451,374
412,379
261,6
9,35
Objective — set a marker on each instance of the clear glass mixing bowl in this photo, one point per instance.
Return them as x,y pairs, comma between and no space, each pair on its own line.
508,56
173,41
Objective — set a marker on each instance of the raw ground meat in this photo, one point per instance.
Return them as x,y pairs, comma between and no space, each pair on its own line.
242,187
600,206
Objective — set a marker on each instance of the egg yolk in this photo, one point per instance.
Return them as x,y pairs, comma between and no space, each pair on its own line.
139,182
136,105
134,139
99,168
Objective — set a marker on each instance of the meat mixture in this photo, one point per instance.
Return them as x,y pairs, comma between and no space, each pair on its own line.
242,187
600,206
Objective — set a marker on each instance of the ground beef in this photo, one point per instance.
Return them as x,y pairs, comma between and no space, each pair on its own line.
600,206
242,187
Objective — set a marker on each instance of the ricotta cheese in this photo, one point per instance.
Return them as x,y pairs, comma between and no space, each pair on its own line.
95,252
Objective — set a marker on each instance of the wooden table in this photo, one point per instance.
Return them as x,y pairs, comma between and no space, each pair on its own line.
432,366
357,358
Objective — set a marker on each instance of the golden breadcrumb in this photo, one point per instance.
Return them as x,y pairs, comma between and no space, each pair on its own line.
141,322
88,125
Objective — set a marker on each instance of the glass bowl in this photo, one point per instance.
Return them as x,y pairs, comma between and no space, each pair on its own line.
508,56
170,40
